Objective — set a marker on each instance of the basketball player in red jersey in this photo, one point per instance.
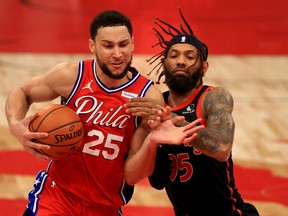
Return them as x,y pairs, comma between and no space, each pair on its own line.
91,181
198,177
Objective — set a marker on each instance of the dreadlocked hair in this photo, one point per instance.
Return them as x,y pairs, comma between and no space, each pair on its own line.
163,43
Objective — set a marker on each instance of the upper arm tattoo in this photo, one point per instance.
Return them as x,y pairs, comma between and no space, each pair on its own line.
218,107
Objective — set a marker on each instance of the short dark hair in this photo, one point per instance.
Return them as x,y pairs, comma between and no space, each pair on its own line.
109,18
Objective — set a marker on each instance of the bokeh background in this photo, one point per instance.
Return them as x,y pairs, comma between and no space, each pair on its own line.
248,55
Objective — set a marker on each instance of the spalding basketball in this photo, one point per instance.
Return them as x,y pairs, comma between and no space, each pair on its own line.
64,127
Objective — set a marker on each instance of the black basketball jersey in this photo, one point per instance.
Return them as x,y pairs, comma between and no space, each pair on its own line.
196,184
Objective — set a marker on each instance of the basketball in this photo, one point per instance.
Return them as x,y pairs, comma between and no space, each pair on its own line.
64,127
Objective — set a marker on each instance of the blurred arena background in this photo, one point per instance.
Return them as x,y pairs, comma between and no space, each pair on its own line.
248,55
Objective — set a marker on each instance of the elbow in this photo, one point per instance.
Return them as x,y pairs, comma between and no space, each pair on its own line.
224,153
129,180
132,181
223,157
132,178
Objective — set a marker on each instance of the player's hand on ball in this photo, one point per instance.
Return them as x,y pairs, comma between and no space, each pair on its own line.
20,129
64,128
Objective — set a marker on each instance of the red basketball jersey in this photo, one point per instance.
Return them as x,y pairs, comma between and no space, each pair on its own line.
95,173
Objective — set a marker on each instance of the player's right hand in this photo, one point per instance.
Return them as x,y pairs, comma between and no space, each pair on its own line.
20,129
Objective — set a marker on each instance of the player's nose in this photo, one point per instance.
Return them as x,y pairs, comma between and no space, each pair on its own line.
117,53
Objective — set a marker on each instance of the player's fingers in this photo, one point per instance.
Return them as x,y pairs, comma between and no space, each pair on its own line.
189,139
159,107
177,119
30,118
142,100
39,146
192,124
176,140
191,131
140,110
148,114
168,109
135,104
165,113
142,103
34,116
37,135
37,154
34,142
151,123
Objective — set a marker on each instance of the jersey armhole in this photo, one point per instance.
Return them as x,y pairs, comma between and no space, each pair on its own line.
77,83
198,109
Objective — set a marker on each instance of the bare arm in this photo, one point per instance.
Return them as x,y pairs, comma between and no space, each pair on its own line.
41,88
141,158
216,139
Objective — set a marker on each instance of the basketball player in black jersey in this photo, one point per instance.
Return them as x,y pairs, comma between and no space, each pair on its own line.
198,177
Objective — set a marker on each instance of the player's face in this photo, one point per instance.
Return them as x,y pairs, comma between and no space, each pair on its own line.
182,67
113,50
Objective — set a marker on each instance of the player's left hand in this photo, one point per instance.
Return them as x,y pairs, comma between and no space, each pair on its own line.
167,133
164,115
144,107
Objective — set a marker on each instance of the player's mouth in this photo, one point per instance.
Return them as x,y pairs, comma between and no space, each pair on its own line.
181,72
117,64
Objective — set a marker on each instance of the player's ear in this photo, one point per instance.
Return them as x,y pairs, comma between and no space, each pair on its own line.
132,44
205,68
91,45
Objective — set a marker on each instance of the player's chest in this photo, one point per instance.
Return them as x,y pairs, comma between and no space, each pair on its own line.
108,112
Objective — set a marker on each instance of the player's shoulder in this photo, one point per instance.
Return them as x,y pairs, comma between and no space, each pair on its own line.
60,74
218,91
154,93
65,66
218,95
63,69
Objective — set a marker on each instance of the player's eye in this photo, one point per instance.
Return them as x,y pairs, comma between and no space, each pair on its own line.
124,44
173,55
108,46
191,57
